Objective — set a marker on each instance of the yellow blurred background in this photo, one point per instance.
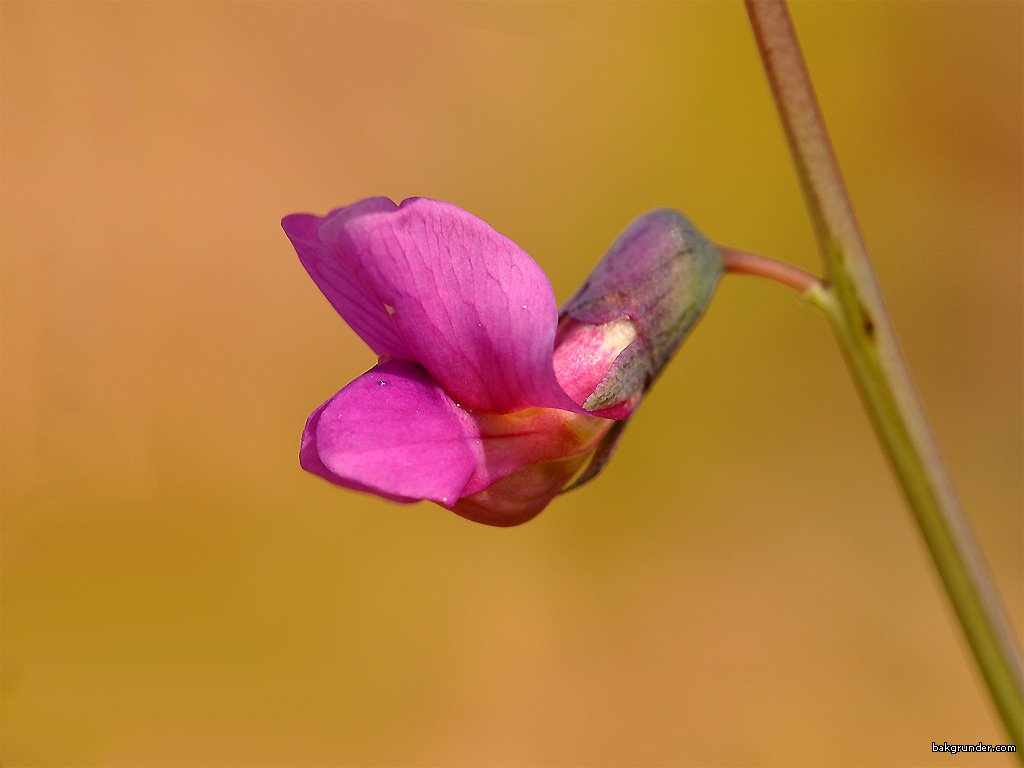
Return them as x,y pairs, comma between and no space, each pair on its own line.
743,584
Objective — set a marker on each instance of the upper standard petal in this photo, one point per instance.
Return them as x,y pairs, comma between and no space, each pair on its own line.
469,304
335,279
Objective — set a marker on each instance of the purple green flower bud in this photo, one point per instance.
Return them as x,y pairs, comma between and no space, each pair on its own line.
660,275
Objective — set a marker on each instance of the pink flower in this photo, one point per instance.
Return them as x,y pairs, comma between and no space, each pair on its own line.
482,400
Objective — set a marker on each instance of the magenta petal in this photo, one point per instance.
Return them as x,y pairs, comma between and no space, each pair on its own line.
474,309
394,432
363,313
309,460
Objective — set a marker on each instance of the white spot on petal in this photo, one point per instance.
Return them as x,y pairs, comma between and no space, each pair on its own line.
389,309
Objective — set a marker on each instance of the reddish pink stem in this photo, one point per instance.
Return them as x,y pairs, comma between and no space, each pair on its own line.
761,266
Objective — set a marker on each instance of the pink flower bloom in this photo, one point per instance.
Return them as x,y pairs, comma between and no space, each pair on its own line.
482,400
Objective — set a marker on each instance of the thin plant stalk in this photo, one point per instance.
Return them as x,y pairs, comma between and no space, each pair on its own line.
744,263
852,301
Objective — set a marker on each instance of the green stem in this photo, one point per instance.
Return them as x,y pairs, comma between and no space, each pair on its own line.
852,302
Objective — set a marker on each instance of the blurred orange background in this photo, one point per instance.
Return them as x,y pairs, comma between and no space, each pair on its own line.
743,584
